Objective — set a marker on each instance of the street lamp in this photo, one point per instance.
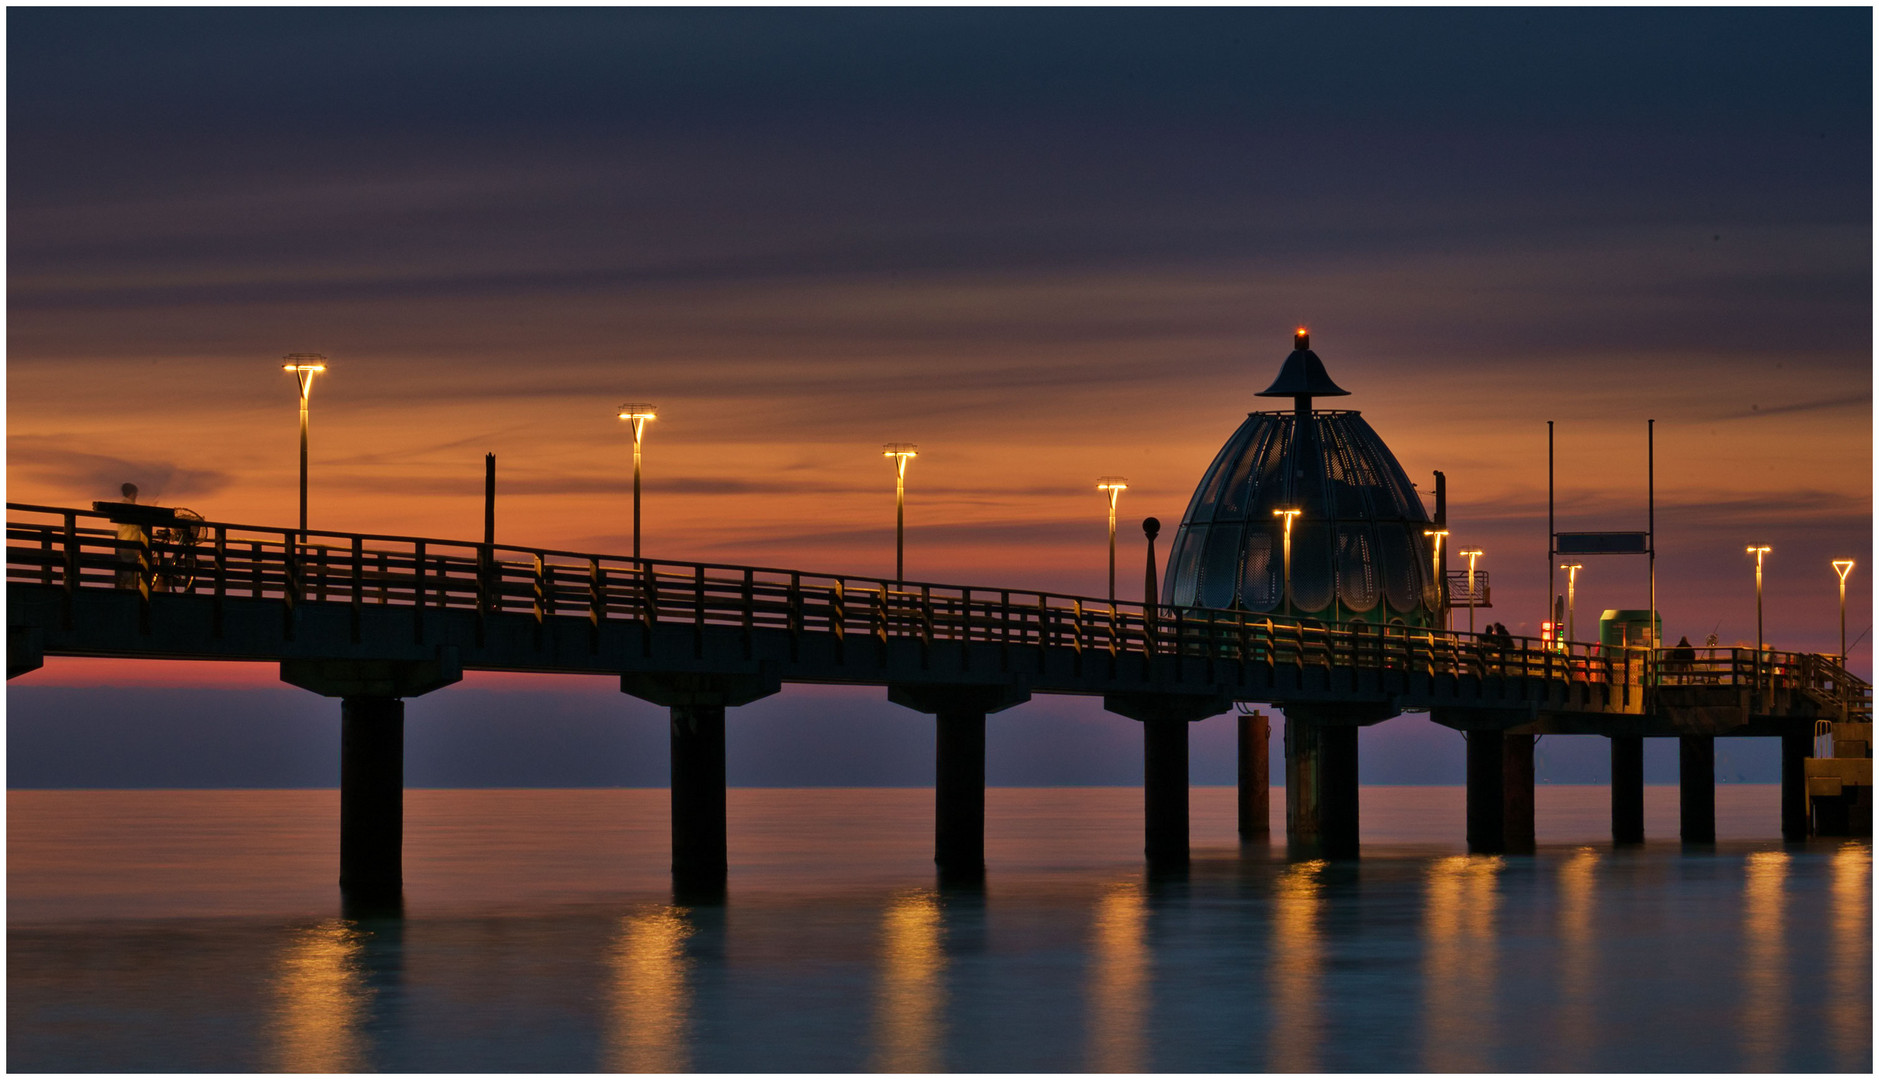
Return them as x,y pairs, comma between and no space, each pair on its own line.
1572,585
1288,515
900,452
304,366
1471,556
1843,567
637,413
1435,574
1115,486
1758,551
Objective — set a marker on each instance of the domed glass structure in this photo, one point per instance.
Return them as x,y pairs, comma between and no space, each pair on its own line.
1358,553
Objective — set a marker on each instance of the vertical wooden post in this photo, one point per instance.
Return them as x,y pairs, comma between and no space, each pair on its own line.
371,796
1696,787
1255,808
1487,804
1517,833
700,856
959,792
1627,789
1796,748
1164,791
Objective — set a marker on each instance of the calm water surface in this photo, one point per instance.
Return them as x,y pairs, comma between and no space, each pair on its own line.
201,931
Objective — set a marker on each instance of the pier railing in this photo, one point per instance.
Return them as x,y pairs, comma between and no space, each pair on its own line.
70,550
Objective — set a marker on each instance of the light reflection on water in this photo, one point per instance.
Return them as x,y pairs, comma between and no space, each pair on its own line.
1578,960
911,998
650,999
1297,976
1852,974
1764,961
321,997
838,951
1118,980
1459,962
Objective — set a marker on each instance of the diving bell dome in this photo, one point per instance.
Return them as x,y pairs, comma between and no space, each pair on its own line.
1358,549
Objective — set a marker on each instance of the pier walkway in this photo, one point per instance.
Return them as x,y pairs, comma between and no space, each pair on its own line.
373,619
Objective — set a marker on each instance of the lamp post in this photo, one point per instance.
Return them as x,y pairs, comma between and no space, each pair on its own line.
1471,556
1435,574
304,366
637,413
1843,567
1114,486
1758,551
900,452
1288,515
1572,586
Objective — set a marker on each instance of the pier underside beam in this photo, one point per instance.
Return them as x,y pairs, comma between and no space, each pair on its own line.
697,702
1696,787
959,714
1164,719
371,762
1627,789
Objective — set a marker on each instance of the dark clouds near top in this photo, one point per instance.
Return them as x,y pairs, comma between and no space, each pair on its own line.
496,151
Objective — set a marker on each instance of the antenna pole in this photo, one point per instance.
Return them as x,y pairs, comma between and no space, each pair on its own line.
489,498
1650,487
1549,527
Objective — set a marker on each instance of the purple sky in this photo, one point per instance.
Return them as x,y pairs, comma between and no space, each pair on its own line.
1044,245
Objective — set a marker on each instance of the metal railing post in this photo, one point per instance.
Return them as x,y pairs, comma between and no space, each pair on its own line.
358,585
596,592
221,579
71,570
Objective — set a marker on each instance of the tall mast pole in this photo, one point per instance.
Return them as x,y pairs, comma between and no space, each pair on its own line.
1650,487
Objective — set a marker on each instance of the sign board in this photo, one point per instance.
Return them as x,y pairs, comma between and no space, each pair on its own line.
1602,543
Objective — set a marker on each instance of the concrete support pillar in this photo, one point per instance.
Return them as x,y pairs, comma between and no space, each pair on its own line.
1696,786
700,847
1796,747
1164,791
1164,720
371,763
371,796
959,713
1255,776
959,793
1487,802
697,702
1517,794
1320,789
1627,789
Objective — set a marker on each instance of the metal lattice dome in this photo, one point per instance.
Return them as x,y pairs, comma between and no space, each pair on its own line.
1358,549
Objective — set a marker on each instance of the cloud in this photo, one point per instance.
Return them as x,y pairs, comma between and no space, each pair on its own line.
52,461
1843,402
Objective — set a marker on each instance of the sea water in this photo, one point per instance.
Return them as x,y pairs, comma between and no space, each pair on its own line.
202,931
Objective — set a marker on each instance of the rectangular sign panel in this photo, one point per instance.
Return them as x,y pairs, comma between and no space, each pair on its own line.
1602,543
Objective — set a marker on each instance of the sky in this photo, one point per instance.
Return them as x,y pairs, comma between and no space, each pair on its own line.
1043,245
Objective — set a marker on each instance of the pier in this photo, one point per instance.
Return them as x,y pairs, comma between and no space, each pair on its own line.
374,619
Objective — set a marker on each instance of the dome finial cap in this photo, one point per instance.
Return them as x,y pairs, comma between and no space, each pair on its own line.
1303,374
